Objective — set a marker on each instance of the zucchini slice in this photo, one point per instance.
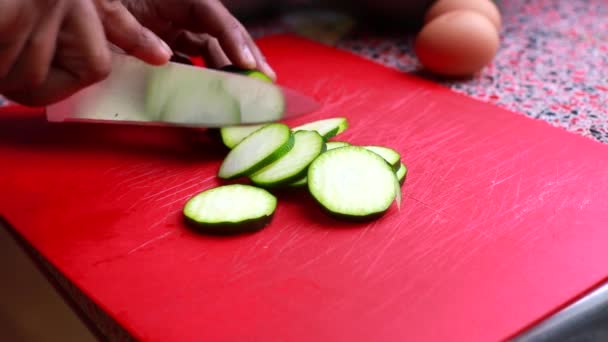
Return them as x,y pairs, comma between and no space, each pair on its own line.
390,155
327,128
264,103
335,144
401,173
330,145
353,182
233,135
308,145
187,105
230,209
256,151
300,182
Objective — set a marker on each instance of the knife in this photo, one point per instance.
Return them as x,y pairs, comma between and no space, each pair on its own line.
180,95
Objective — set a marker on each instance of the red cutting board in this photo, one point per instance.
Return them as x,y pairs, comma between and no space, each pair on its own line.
503,221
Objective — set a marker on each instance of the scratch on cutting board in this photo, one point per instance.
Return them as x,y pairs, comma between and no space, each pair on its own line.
392,236
160,237
175,190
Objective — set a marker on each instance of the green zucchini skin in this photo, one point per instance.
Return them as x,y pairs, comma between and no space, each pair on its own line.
401,173
367,159
294,177
271,158
227,134
213,211
336,144
267,160
351,218
251,73
229,228
337,124
392,157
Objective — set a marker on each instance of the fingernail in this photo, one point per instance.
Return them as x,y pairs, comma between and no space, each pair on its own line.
248,56
166,47
270,72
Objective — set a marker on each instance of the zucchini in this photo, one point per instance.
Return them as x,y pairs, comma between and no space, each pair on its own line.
390,155
251,73
188,105
257,105
327,128
233,135
330,145
401,173
300,182
353,182
230,209
308,145
178,95
335,144
257,151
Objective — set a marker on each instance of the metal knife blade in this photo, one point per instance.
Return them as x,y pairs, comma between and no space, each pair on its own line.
179,94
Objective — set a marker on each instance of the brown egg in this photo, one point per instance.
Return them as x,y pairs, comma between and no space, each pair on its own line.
486,7
457,43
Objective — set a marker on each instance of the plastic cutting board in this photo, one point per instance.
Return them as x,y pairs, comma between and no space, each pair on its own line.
504,219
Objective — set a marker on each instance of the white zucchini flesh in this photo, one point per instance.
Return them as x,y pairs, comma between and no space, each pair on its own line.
256,151
231,208
179,94
401,173
308,145
390,155
233,135
353,182
336,144
330,145
327,128
263,103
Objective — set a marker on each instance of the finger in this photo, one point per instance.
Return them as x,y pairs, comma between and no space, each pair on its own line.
16,25
58,85
202,45
262,64
210,16
34,62
84,50
123,30
82,58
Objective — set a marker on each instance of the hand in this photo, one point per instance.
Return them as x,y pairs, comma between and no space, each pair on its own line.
50,49
201,28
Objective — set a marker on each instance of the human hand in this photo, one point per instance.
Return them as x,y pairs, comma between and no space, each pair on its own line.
201,28
51,49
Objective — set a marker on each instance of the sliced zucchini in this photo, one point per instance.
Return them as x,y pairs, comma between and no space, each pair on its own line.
251,73
390,155
179,96
327,128
230,209
256,151
335,144
300,182
157,92
330,145
353,182
401,172
294,164
263,103
233,135
189,105
212,98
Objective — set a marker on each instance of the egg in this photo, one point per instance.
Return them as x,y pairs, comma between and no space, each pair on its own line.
485,7
458,43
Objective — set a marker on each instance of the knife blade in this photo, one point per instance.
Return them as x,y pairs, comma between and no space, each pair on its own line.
180,95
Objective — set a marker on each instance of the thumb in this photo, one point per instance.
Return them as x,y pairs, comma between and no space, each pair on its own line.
124,31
